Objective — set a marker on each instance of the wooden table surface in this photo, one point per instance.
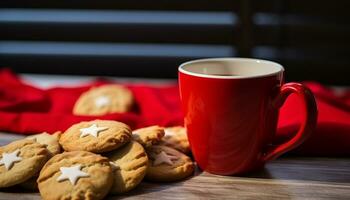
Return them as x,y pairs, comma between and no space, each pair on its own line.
284,178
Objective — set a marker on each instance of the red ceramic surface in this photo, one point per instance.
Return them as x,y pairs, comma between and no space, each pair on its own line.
231,121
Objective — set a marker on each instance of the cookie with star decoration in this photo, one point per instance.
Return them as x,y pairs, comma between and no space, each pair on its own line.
75,175
103,100
148,136
21,160
51,143
129,164
49,140
167,164
176,137
96,136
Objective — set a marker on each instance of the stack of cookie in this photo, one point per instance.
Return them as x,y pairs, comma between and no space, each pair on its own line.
99,157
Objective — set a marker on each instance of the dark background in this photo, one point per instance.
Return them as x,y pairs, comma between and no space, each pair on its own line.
151,38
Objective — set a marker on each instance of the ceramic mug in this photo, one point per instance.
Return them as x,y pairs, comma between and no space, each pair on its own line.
231,110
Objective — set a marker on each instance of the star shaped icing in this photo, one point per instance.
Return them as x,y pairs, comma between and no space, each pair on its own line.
72,174
162,157
114,166
102,101
8,159
92,130
168,132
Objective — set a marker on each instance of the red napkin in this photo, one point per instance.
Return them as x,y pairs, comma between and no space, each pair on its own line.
26,109
332,134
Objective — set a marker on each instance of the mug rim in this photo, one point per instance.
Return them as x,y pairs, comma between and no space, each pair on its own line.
182,70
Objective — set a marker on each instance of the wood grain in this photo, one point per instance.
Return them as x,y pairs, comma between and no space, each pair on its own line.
284,178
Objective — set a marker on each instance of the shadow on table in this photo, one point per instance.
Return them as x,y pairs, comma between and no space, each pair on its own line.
147,187
17,189
335,170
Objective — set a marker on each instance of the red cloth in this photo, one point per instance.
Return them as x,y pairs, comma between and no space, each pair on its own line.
26,109
332,134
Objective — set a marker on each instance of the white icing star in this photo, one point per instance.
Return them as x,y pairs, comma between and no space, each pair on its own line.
162,157
8,159
71,173
102,101
114,166
92,130
168,132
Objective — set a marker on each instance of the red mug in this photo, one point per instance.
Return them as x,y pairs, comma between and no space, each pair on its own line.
231,110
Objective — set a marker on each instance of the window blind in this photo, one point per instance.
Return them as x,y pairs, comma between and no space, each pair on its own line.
143,39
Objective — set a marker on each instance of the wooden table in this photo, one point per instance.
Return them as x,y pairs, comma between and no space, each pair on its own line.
284,178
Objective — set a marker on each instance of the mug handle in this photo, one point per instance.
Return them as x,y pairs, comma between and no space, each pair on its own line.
307,126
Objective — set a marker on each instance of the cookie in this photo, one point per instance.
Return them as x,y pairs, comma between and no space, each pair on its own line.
129,165
104,100
176,137
50,141
21,160
148,136
51,144
95,136
75,175
167,164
